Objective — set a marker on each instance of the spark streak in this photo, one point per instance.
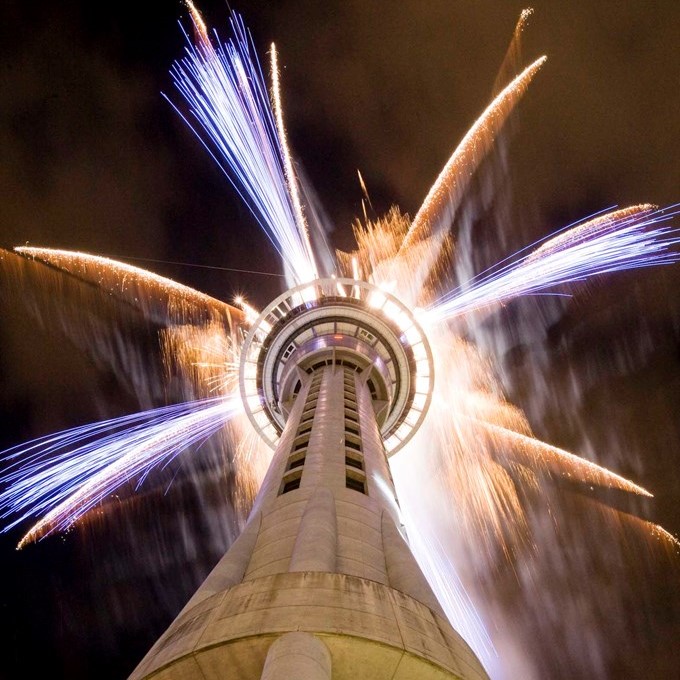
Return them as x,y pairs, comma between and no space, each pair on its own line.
438,209
225,91
620,241
291,177
61,476
513,53
533,452
435,561
158,296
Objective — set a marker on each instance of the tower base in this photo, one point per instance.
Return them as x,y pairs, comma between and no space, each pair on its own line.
370,631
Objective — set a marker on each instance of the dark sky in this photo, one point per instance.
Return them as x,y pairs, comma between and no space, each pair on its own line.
93,158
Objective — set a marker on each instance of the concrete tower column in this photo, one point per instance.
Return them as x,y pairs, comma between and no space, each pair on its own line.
321,584
297,656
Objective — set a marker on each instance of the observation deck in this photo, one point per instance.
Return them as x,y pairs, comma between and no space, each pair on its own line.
342,322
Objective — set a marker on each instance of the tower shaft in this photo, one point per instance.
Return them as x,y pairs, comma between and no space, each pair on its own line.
321,584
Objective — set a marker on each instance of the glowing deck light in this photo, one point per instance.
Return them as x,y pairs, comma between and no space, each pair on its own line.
376,299
308,294
253,403
413,335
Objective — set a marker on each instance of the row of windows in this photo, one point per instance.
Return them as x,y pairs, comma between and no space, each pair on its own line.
296,460
355,477
353,461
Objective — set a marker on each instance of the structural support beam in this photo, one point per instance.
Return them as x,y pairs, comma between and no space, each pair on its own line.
297,656
316,543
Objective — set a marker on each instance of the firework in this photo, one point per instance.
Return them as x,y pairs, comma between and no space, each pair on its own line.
439,207
512,58
160,299
620,241
224,89
480,455
291,177
62,476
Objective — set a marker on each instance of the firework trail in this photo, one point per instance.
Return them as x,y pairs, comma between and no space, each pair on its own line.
441,202
62,476
513,55
427,234
291,177
621,241
224,89
160,299
205,355
435,559
115,325
536,454
67,474
478,450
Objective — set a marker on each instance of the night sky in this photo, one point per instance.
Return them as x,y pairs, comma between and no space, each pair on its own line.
94,159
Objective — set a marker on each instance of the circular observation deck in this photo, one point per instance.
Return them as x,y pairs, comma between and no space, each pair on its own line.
343,322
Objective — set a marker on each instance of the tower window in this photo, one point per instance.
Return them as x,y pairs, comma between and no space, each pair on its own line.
355,484
354,462
371,388
292,484
298,462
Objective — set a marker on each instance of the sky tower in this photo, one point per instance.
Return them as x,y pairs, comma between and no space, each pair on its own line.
336,375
